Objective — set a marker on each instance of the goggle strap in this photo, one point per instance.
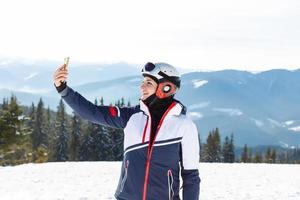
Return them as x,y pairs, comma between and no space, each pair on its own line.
165,76
173,80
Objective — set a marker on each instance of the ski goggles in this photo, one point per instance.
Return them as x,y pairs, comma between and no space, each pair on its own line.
148,67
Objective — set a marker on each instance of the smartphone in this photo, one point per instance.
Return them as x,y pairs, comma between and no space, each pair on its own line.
66,63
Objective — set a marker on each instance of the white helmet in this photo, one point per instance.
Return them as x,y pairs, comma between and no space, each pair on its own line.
162,72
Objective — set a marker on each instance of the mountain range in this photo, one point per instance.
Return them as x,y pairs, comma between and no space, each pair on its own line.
258,108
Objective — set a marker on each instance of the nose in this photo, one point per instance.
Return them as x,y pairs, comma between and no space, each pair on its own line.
142,86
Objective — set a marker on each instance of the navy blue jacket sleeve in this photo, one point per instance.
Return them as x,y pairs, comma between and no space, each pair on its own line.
191,184
106,115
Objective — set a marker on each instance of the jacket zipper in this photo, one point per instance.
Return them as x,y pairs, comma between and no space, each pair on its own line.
150,149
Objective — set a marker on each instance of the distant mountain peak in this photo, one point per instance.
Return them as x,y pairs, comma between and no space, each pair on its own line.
33,74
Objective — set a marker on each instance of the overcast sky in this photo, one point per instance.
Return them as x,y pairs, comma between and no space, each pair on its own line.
250,35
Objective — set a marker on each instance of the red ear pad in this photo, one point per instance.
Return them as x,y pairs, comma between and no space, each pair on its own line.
165,89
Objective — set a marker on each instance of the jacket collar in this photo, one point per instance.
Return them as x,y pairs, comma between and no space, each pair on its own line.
176,110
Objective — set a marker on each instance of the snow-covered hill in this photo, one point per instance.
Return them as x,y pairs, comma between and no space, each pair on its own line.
98,180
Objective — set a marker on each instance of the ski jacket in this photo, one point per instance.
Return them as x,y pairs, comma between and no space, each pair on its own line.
149,173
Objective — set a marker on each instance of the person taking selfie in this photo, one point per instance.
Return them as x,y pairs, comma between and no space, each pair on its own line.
160,141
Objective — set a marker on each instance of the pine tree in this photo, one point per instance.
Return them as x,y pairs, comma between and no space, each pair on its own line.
2,132
102,144
103,139
231,150
273,156
257,158
76,132
89,149
116,136
213,147
5,104
128,104
209,151
10,122
39,135
202,152
101,101
228,150
297,155
3,125
96,102
97,143
244,157
15,112
225,150
122,103
208,148
51,134
287,157
268,156
250,156
86,148
217,140
61,147
92,132
32,114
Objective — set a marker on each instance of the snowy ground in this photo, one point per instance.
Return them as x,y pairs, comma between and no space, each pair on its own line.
98,180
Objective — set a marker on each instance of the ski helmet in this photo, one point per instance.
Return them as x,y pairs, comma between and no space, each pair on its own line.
166,76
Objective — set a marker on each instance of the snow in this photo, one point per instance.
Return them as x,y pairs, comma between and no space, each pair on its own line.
258,123
283,144
230,111
296,129
194,115
28,89
274,123
98,180
198,105
198,83
31,75
70,180
288,123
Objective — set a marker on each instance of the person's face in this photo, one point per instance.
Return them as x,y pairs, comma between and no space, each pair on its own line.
148,87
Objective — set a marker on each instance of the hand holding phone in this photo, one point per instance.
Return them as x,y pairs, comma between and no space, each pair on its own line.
61,74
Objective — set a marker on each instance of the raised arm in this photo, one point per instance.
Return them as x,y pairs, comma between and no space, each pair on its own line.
107,115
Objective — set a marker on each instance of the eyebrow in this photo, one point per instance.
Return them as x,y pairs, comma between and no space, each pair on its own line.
149,80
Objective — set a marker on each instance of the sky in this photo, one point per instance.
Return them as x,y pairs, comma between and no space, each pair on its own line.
253,35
